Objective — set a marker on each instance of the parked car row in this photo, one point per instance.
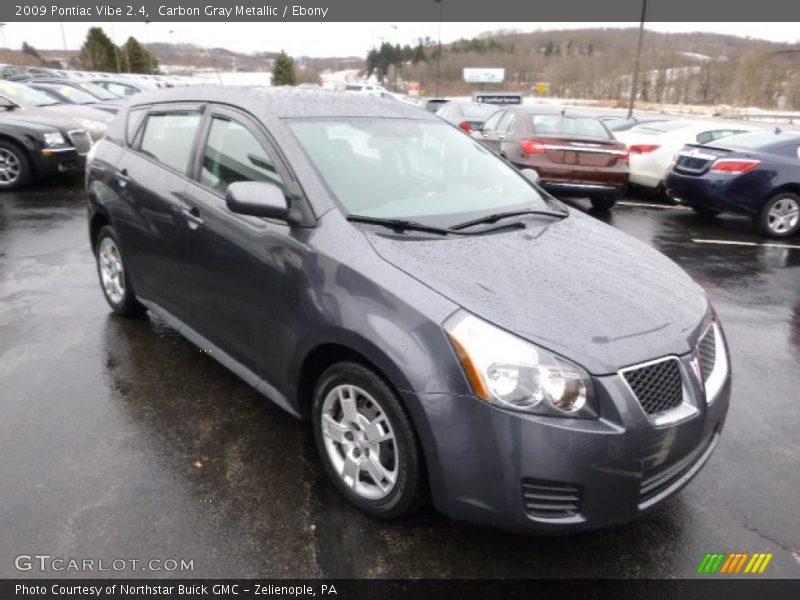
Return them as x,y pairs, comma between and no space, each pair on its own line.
711,166
141,80
47,128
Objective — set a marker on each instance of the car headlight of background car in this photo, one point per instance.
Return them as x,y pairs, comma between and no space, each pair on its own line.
512,373
54,138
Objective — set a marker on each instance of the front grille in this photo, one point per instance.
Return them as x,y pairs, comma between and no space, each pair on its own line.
655,483
658,386
550,499
81,140
707,349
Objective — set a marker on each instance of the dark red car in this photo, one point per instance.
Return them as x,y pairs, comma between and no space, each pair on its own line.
575,154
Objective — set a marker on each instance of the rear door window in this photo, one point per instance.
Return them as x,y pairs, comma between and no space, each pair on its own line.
492,122
169,137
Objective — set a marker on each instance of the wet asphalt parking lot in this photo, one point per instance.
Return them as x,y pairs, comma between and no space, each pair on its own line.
119,439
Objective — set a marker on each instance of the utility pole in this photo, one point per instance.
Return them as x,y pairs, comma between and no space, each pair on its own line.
635,82
399,57
439,50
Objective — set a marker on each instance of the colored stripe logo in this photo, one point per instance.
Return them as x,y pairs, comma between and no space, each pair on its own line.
735,562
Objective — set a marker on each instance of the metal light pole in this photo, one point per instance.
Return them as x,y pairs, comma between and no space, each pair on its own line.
635,82
399,58
439,50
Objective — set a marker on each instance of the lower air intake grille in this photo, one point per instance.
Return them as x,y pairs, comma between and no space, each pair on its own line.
550,499
657,386
707,349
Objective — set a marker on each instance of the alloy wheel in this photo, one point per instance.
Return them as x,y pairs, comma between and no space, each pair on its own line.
112,273
10,167
783,215
360,442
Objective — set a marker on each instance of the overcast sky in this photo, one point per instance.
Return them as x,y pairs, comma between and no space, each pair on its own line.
333,39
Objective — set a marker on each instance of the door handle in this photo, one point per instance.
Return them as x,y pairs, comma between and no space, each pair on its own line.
122,177
192,215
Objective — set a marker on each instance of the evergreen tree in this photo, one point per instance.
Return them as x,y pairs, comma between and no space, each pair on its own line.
136,58
98,52
31,51
283,70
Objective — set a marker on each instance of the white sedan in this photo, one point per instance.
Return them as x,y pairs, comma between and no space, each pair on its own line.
653,146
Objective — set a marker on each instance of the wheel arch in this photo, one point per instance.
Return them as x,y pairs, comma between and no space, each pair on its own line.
790,187
4,137
96,223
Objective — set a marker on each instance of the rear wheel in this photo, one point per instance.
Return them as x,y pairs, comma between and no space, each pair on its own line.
114,280
603,202
780,216
706,213
366,441
15,169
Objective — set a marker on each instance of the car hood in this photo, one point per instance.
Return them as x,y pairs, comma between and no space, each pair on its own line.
35,122
74,111
576,286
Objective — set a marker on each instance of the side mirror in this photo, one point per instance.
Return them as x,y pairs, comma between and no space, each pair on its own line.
531,175
260,199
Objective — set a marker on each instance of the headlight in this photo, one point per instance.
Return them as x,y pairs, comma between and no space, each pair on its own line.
54,138
515,374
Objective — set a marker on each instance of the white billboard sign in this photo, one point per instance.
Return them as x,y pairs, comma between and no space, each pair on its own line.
484,75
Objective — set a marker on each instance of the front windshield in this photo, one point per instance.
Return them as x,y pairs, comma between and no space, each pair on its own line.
97,91
72,94
25,96
409,169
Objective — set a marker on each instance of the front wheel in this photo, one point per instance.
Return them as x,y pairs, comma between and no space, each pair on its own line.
114,280
366,441
780,217
15,169
603,203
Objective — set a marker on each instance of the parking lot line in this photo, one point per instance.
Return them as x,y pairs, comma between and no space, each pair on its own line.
734,243
648,205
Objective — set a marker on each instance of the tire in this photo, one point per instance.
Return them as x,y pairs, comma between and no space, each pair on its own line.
383,478
15,168
114,279
706,213
603,202
780,217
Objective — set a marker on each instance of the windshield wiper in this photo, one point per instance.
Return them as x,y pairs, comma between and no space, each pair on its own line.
494,218
400,225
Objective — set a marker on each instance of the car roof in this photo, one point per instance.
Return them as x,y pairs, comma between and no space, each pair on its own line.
539,109
288,102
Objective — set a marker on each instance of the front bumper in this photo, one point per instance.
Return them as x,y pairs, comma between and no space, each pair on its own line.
489,465
562,189
51,162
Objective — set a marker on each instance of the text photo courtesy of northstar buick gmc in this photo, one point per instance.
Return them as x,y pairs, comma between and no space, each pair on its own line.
455,334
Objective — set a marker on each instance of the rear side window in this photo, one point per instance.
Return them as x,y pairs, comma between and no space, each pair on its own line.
508,123
233,153
491,122
168,137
